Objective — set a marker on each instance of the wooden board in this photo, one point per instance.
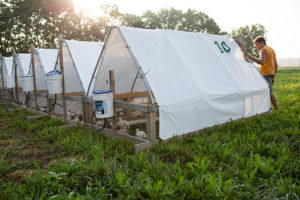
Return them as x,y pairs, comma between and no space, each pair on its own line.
74,94
42,91
131,95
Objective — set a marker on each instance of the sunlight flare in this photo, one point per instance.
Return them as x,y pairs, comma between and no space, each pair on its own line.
89,8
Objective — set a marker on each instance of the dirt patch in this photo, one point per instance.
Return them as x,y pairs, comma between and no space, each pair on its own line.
23,151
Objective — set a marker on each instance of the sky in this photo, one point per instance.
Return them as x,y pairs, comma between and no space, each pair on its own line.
280,18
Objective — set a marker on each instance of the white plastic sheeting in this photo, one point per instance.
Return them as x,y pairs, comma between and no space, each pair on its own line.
116,57
24,61
6,69
80,59
199,80
45,60
8,65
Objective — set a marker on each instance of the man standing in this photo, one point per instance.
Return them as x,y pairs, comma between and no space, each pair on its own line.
268,64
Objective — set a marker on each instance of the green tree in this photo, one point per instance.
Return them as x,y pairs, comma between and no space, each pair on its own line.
39,22
132,20
6,25
191,20
250,33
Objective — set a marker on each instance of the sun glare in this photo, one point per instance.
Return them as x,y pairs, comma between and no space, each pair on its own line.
90,8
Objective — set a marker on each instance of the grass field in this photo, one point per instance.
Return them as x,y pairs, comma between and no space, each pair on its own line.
258,158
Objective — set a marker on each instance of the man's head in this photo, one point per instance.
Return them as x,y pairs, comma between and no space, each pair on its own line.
260,42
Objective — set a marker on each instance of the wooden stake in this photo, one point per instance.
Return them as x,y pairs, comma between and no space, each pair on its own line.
34,77
16,77
112,85
151,125
83,110
63,77
129,99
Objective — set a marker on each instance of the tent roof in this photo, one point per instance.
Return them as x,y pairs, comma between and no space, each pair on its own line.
85,56
25,61
48,58
195,82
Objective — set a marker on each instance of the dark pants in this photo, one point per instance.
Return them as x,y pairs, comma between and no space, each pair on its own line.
269,79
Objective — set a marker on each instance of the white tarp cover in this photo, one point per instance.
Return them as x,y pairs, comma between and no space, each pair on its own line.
80,59
48,58
8,65
45,60
116,57
24,61
194,83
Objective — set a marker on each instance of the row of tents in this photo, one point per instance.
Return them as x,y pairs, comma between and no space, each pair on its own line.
197,80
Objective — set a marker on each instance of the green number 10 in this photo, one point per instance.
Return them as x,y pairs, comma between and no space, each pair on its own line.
224,47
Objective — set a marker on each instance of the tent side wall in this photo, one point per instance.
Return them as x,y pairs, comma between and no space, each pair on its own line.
73,84
20,71
41,83
116,57
196,85
45,61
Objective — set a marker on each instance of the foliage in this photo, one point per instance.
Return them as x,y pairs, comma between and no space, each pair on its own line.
249,33
23,22
191,20
257,158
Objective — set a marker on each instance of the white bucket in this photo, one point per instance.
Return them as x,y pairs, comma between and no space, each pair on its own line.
103,104
54,84
27,83
10,81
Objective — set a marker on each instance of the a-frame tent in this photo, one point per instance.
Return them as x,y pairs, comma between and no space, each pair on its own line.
79,61
198,80
45,61
23,62
6,69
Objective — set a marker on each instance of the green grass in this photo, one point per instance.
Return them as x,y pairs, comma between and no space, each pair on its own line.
258,158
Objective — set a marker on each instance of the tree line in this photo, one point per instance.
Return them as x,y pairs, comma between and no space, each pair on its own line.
40,22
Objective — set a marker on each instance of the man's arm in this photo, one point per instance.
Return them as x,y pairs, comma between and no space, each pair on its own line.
261,60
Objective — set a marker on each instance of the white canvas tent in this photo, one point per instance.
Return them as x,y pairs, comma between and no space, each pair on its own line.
6,64
23,63
7,67
198,80
45,61
80,59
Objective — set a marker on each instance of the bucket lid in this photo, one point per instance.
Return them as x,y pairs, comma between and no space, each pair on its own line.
53,72
101,91
26,76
